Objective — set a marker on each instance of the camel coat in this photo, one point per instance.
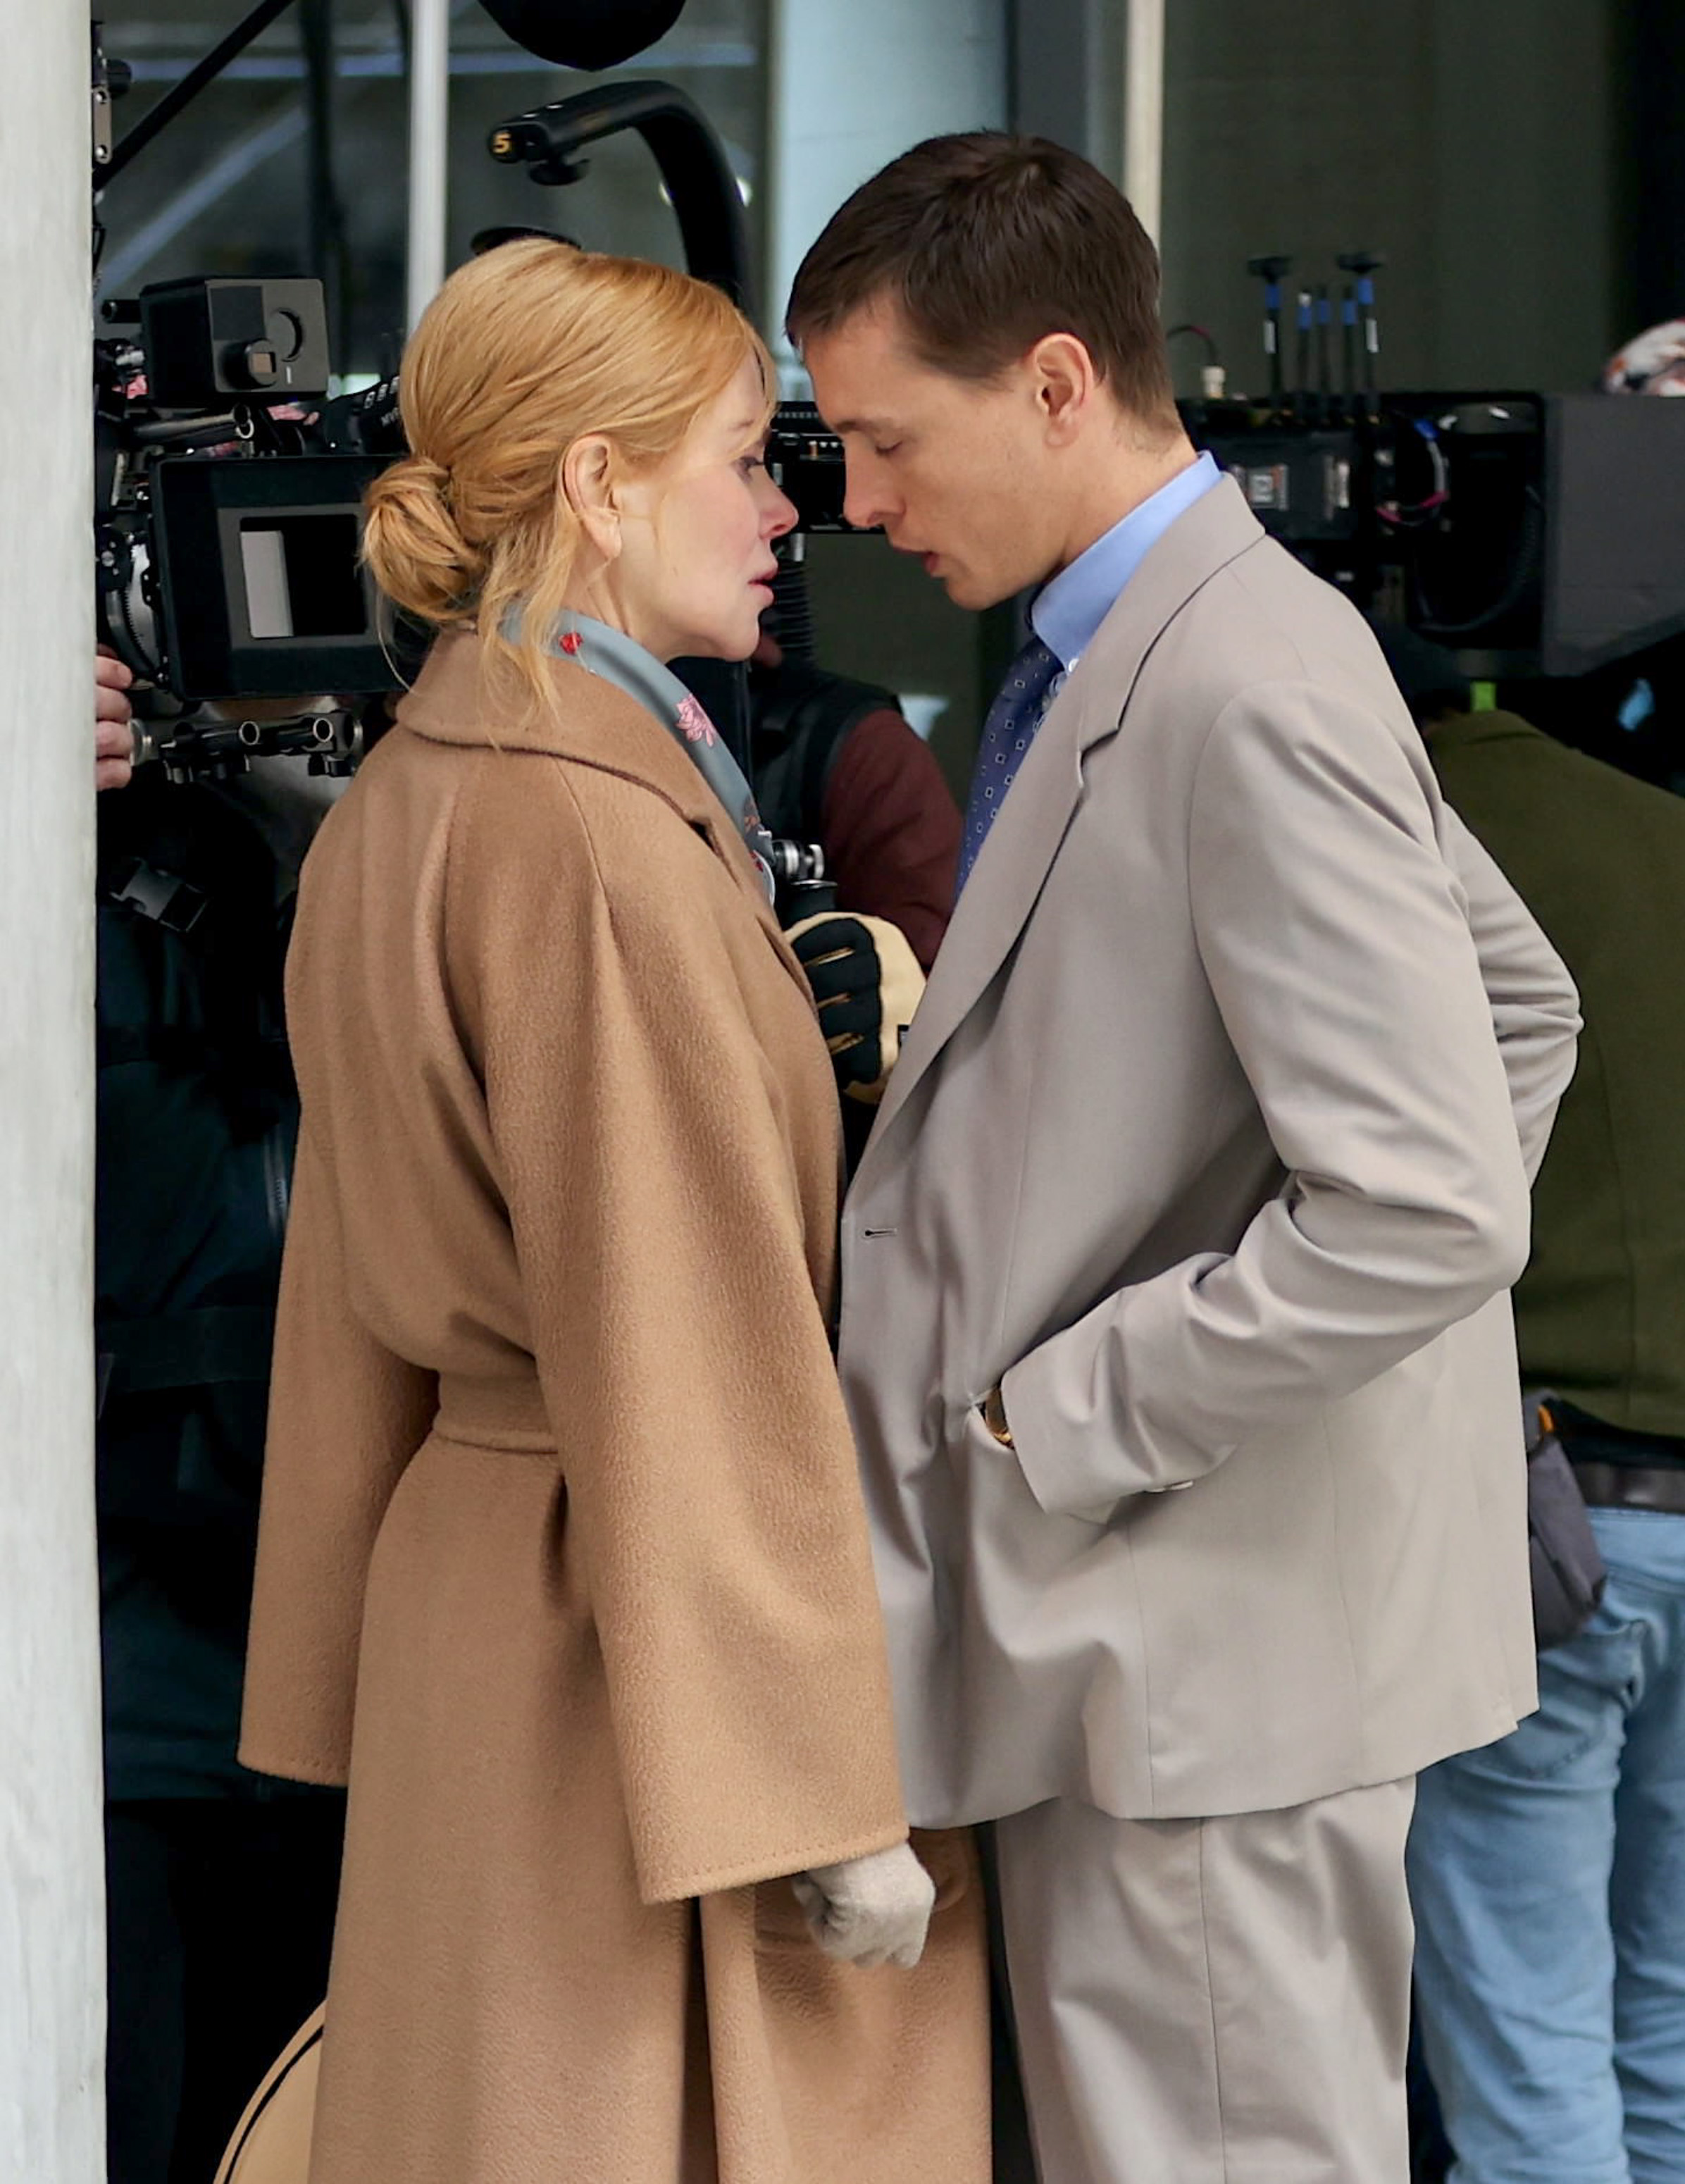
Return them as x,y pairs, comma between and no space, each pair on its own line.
562,1562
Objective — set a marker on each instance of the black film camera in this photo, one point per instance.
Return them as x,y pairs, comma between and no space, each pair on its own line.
228,493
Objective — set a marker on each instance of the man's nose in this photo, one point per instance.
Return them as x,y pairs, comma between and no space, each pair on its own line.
867,502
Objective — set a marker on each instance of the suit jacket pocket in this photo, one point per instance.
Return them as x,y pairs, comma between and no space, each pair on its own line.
979,1447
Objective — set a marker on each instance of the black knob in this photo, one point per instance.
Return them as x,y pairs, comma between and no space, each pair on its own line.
258,363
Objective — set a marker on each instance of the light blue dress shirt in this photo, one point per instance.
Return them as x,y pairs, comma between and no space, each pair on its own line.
1071,607
1067,614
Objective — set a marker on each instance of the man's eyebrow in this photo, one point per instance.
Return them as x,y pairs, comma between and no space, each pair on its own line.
872,426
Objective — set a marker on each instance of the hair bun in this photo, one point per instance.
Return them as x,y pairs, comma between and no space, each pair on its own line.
426,471
414,544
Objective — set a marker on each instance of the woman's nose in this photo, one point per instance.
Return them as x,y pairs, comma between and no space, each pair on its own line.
778,513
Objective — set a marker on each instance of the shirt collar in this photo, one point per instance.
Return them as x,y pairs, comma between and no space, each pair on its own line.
1070,609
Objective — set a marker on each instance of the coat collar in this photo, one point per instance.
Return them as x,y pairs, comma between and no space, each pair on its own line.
1014,861
591,723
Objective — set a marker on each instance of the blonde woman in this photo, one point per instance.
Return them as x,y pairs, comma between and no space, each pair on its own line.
563,1563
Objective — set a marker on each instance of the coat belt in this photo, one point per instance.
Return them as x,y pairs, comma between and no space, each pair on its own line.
505,1412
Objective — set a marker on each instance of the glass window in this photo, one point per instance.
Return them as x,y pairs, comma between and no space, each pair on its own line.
295,159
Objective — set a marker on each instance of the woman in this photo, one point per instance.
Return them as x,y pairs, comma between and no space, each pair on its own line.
562,1560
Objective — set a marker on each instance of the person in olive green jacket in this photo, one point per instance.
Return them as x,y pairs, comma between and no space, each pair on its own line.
1548,1871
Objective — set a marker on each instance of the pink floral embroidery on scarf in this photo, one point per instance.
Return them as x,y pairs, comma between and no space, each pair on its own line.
694,724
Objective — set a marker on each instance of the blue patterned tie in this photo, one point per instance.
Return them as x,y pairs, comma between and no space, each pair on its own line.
1030,689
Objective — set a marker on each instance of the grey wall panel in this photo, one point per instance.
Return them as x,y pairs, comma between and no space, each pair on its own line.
1476,145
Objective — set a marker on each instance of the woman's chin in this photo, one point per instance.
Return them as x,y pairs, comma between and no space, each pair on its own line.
720,644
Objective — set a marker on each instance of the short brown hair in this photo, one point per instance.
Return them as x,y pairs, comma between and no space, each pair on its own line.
986,242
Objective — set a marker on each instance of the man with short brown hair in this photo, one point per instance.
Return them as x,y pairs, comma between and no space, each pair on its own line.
1175,1315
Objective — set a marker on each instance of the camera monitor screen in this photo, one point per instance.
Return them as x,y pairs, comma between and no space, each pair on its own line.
261,590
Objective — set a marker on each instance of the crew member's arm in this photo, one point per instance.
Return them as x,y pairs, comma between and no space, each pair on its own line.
865,985
1337,943
891,831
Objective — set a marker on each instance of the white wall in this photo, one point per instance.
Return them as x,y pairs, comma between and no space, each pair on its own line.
51,1964
851,83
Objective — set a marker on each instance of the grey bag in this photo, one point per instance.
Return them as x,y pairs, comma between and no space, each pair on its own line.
1567,1569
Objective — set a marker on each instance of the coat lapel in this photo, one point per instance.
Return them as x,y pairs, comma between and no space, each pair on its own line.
1013,866
591,721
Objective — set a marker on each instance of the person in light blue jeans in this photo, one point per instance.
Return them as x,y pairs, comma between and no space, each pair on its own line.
1548,1875
1548,1871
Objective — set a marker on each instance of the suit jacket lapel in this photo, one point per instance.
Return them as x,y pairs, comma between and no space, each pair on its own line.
1013,865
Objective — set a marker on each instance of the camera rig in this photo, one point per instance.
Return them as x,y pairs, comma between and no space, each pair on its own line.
229,487
228,497
1531,534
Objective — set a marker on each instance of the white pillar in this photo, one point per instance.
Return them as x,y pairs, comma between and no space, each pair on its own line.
849,87
51,1958
1144,112
430,94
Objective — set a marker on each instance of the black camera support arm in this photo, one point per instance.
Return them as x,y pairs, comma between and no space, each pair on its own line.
703,190
183,94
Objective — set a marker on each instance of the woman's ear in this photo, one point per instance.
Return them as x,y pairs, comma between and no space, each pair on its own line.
586,481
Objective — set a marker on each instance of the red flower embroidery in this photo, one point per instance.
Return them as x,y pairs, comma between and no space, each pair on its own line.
570,641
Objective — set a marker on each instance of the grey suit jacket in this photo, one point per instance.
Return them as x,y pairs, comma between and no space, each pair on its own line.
1203,1142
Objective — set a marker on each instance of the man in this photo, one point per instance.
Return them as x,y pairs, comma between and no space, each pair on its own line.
219,1883
1548,1871
836,761
1174,1317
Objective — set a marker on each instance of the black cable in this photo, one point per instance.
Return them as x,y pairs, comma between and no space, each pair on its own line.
792,615
1213,355
1527,554
191,86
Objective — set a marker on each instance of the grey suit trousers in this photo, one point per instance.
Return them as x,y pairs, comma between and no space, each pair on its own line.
1212,2001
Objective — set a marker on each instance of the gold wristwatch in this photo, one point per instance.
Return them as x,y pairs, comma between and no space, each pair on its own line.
994,1409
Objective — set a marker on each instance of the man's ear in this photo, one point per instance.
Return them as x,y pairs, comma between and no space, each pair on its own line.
586,481
1065,382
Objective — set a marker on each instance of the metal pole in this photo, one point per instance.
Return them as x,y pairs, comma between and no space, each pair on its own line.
429,92
52,1953
1144,112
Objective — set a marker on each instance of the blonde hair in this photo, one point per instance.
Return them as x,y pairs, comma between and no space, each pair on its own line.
520,353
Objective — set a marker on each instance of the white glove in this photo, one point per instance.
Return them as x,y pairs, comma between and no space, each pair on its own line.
871,1910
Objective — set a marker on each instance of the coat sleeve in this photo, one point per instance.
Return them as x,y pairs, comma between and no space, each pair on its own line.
346,1415
1336,940
652,1186
1535,1009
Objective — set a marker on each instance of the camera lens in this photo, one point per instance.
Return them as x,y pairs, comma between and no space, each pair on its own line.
287,331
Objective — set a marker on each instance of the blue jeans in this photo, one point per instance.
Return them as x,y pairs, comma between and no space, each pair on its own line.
1547,1875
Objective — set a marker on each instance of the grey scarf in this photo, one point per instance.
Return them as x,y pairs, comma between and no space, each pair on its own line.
620,660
